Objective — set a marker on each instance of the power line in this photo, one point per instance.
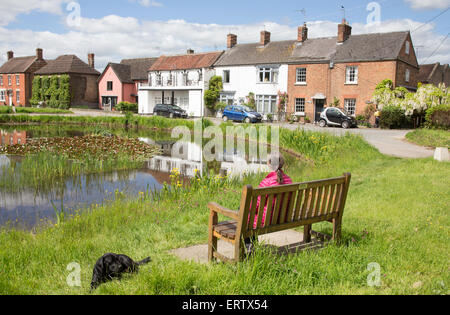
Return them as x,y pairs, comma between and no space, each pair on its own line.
437,48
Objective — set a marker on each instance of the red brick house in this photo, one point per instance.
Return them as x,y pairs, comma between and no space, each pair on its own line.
348,68
434,74
16,78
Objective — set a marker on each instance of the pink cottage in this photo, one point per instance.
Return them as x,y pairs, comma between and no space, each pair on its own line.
119,82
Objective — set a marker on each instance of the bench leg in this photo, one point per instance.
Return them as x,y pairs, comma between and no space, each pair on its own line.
307,234
212,242
336,230
239,251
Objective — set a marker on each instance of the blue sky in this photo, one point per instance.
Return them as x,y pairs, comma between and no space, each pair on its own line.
119,29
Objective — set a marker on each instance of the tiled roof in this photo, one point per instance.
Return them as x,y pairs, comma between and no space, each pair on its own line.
123,72
426,71
249,54
366,47
184,62
67,64
139,67
17,65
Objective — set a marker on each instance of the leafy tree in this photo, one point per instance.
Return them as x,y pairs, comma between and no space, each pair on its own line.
213,93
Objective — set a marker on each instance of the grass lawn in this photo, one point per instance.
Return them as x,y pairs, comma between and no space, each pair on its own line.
430,137
33,110
396,215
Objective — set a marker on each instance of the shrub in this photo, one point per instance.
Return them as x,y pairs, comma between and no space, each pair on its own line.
438,116
220,106
127,107
392,117
213,93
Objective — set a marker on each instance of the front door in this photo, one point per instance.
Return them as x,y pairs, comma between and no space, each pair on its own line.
319,109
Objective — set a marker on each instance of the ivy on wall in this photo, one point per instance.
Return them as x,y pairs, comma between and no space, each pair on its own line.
51,91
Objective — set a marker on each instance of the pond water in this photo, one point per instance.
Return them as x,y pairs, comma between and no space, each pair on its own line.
28,207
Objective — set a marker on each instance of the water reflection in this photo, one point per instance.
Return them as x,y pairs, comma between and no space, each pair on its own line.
26,207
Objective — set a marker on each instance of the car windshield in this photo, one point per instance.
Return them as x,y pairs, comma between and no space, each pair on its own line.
175,107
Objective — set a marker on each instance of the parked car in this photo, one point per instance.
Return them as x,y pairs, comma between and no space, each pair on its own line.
242,114
333,116
171,111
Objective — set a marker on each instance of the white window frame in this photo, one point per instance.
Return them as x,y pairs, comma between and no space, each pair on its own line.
17,97
158,100
271,102
407,75
301,76
9,80
1,80
227,98
302,103
407,47
349,72
2,95
17,79
272,72
228,76
350,106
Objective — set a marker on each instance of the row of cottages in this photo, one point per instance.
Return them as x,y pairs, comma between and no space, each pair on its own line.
17,74
120,82
435,73
179,80
314,73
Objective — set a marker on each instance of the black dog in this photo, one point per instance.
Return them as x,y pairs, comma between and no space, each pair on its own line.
111,266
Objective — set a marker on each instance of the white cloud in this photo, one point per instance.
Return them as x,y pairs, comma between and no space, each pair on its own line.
11,8
429,4
113,37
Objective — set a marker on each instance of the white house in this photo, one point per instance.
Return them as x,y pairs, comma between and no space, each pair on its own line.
178,80
259,68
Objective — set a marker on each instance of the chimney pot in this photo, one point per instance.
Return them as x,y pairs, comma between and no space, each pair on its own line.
39,53
302,33
344,31
91,60
231,41
10,55
265,38
190,51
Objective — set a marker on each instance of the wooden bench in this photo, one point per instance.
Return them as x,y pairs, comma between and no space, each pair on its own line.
289,206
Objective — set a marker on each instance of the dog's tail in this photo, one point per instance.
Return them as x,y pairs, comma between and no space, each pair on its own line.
144,261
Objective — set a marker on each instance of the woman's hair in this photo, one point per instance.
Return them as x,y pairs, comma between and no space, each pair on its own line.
276,163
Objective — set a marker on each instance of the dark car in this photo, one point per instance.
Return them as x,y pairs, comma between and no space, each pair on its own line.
171,111
333,116
241,113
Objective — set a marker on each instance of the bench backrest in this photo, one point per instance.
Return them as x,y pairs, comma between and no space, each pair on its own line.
292,205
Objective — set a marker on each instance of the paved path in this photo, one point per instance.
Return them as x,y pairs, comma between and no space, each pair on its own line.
388,142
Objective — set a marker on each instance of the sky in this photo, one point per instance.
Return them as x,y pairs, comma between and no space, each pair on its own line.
122,29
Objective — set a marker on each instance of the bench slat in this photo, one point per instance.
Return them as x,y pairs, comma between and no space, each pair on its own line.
318,201
290,212
337,197
252,213
262,204
311,203
331,198
276,210
270,207
283,209
298,204
324,200
305,204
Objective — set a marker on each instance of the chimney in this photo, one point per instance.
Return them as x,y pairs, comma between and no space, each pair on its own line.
265,38
231,41
39,54
10,55
91,60
344,31
302,33
190,51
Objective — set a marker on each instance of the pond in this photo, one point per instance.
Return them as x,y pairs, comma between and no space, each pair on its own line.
28,207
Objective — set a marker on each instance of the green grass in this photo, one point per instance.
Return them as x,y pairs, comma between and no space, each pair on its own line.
396,215
34,110
430,137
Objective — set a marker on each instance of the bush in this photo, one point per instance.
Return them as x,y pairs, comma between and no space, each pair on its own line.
438,116
392,117
127,107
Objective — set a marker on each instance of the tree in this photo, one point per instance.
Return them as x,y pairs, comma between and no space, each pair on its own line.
212,94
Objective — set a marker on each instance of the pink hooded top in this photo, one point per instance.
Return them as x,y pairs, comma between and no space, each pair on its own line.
270,180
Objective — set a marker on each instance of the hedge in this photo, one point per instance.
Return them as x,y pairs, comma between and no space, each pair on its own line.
438,116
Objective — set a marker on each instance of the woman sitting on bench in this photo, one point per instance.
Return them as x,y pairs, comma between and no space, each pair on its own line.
276,178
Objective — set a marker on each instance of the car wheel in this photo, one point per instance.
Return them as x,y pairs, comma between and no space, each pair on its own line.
225,118
322,123
247,120
345,124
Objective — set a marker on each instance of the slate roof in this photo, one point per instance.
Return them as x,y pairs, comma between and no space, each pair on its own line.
357,48
184,62
67,64
17,65
426,72
139,67
255,53
123,72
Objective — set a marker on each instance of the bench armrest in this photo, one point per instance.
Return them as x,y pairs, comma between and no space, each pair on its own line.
226,212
